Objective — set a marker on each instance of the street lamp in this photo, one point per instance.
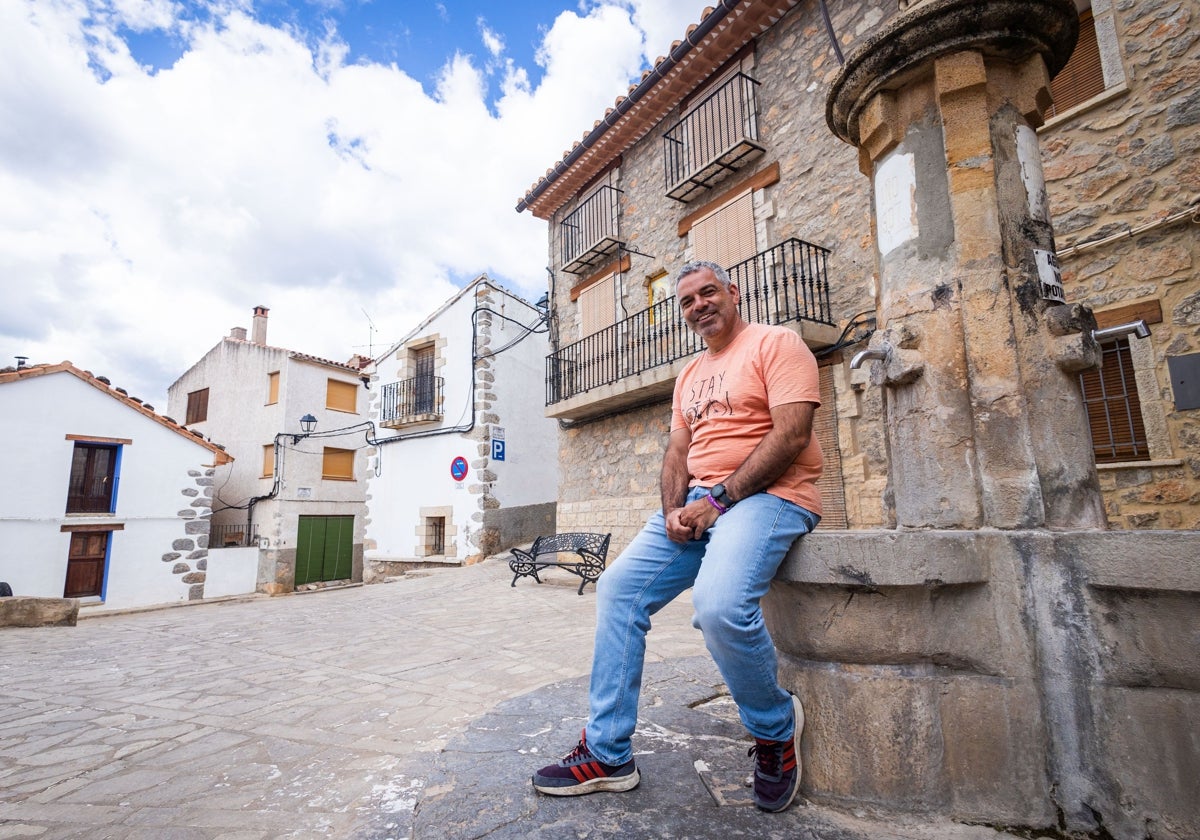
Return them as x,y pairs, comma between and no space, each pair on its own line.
307,424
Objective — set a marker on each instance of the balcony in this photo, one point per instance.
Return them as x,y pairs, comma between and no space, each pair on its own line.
636,360
717,137
410,401
589,234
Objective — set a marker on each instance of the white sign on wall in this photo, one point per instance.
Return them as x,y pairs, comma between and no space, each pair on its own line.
1048,273
896,201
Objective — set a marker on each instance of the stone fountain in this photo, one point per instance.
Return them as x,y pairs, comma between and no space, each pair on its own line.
999,656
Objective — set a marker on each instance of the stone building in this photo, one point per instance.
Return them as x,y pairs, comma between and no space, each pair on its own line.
722,151
1123,174
1001,635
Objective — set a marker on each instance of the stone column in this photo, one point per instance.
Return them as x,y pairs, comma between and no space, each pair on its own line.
977,351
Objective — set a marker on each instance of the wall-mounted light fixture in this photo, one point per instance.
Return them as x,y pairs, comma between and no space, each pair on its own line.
308,425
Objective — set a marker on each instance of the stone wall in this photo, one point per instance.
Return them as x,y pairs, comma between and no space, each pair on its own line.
608,473
189,553
609,469
1117,166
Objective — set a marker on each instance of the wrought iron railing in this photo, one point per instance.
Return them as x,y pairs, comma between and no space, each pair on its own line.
783,284
232,536
411,399
590,232
720,131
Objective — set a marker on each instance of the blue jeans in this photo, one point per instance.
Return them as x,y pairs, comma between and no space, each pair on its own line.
731,568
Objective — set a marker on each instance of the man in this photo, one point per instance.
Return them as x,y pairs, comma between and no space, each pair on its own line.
738,488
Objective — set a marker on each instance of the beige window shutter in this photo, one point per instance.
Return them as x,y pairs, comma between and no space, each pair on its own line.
1083,77
726,236
598,306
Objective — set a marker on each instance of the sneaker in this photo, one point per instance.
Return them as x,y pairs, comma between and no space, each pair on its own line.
580,772
777,766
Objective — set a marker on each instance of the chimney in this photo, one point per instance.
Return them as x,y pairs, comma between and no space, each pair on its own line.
238,332
259,328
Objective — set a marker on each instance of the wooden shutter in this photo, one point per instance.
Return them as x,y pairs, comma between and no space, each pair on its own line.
272,388
85,564
197,407
1083,77
338,464
1114,409
833,493
268,461
726,236
341,396
93,479
598,306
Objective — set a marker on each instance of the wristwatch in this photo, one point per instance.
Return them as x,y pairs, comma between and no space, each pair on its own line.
717,491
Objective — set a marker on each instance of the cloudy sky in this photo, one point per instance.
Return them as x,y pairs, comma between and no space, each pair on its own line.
166,165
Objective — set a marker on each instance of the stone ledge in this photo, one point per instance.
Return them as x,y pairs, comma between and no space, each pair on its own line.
28,611
887,558
1150,560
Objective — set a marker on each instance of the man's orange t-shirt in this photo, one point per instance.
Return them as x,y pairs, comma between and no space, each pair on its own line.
726,398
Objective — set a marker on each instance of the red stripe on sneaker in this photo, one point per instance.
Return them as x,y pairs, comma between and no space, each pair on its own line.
586,772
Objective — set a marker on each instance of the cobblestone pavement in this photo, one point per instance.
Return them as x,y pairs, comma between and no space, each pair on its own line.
413,709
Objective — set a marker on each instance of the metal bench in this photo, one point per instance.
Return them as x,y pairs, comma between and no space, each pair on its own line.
590,550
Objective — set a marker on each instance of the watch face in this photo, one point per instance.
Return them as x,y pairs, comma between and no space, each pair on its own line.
718,492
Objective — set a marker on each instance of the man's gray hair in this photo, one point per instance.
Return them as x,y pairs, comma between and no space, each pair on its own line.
699,265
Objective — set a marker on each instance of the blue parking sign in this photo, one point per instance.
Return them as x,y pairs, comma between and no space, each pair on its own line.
497,450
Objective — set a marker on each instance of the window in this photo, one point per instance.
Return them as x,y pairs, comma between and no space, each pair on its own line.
338,464
1095,65
424,390
1083,77
268,461
93,483
197,407
342,396
435,536
726,236
1114,410
272,388
598,306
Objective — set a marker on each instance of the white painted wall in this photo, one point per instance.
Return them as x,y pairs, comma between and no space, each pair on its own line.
236,372
36,415
231,571
529,473
415,473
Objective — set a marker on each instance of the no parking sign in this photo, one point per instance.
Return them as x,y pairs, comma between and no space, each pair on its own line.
458,468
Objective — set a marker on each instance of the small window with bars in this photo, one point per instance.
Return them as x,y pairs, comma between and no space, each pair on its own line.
1113,407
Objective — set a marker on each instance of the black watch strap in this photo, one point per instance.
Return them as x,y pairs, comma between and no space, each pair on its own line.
718,493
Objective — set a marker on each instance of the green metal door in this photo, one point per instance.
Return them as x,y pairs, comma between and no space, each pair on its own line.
324,548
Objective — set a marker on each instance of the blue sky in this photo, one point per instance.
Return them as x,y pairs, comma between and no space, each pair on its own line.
418,37
167,165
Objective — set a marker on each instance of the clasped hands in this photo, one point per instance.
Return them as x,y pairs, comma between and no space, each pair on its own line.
690,521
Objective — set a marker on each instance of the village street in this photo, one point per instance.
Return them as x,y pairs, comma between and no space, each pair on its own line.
416,708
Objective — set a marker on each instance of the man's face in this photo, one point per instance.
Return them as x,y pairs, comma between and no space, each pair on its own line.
708,307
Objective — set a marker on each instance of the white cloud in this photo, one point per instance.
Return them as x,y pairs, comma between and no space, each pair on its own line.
143,215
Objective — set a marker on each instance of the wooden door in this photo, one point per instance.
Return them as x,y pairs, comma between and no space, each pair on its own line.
324,548
85,564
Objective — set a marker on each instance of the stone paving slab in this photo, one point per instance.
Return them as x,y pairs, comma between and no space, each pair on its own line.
413,709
